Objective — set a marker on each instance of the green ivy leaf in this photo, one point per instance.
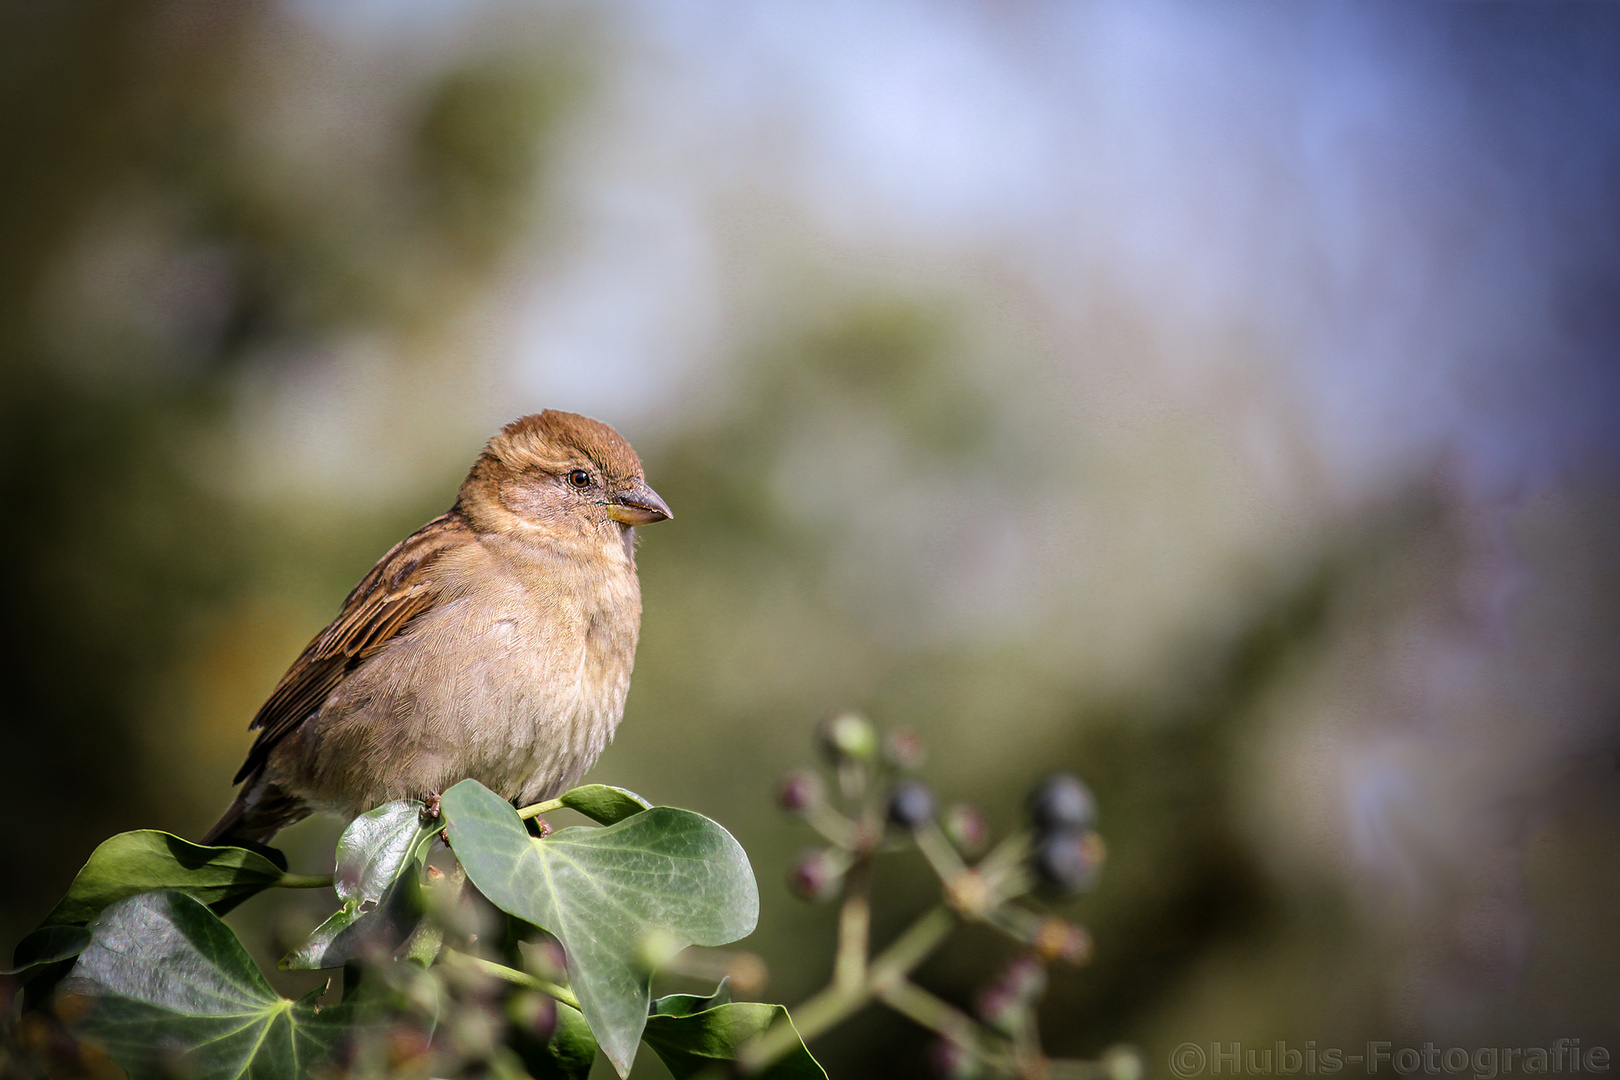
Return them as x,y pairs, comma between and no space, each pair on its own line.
689,1043
48,945
687,1004
604,803
570,1053
148,860
379,864
378,844
172,992
602,892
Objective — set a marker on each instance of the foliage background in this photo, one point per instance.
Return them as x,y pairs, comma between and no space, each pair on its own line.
1216,401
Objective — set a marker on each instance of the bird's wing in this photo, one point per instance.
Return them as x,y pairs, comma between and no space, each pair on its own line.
401,586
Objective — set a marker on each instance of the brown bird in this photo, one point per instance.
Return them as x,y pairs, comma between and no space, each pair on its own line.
495,642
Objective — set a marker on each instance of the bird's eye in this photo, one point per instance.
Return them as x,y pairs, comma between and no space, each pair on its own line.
579,478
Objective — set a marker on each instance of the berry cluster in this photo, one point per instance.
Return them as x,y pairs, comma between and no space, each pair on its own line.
877,804
1067,850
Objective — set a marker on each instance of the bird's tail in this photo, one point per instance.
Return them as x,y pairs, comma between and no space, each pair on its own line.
260,811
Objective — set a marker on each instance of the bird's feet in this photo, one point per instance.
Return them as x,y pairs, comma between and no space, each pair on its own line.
430,812
538,827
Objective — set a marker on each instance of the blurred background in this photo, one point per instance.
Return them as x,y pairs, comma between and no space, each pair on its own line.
1218,401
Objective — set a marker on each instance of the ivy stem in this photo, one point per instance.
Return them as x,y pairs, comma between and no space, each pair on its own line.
938,851
514,976
851,781
1026,1037
910,1000
854,926
1005,859
304,881
913,947
836,1002
832,825
540,808
1015,922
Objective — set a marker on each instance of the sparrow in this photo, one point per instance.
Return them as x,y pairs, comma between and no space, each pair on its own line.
495,642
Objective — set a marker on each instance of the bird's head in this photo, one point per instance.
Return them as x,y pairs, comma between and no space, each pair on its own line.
562,473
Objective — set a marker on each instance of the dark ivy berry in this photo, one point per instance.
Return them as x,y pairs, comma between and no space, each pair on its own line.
533,1013
951,1062
1061,801
815,875
800,790
911,804
1024,977
1065,861
545,959
999,1007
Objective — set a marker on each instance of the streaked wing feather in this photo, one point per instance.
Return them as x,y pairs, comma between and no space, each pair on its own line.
400,587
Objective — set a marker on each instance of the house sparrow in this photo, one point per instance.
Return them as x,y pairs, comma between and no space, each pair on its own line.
495,642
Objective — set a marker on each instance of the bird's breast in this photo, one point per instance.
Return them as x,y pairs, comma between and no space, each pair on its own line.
555,651
517,679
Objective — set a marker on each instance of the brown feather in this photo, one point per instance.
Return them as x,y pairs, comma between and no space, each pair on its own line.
397,589
550,442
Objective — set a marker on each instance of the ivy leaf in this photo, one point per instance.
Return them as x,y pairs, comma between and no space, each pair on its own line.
378,845
603,892
687,1004
604,803
570,1053
148,860
172,992
689,1043
379,861
47,945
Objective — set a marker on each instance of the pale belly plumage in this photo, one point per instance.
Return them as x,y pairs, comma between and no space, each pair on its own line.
538,684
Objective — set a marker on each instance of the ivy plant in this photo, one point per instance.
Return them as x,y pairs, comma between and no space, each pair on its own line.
471,940
533,953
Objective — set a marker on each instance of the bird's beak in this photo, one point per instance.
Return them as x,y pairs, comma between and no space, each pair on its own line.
638,506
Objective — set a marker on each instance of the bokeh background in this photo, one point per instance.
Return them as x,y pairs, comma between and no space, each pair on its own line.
1217,400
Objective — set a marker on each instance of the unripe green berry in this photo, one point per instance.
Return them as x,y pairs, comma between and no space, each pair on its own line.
966,828
1123,1063
848,737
